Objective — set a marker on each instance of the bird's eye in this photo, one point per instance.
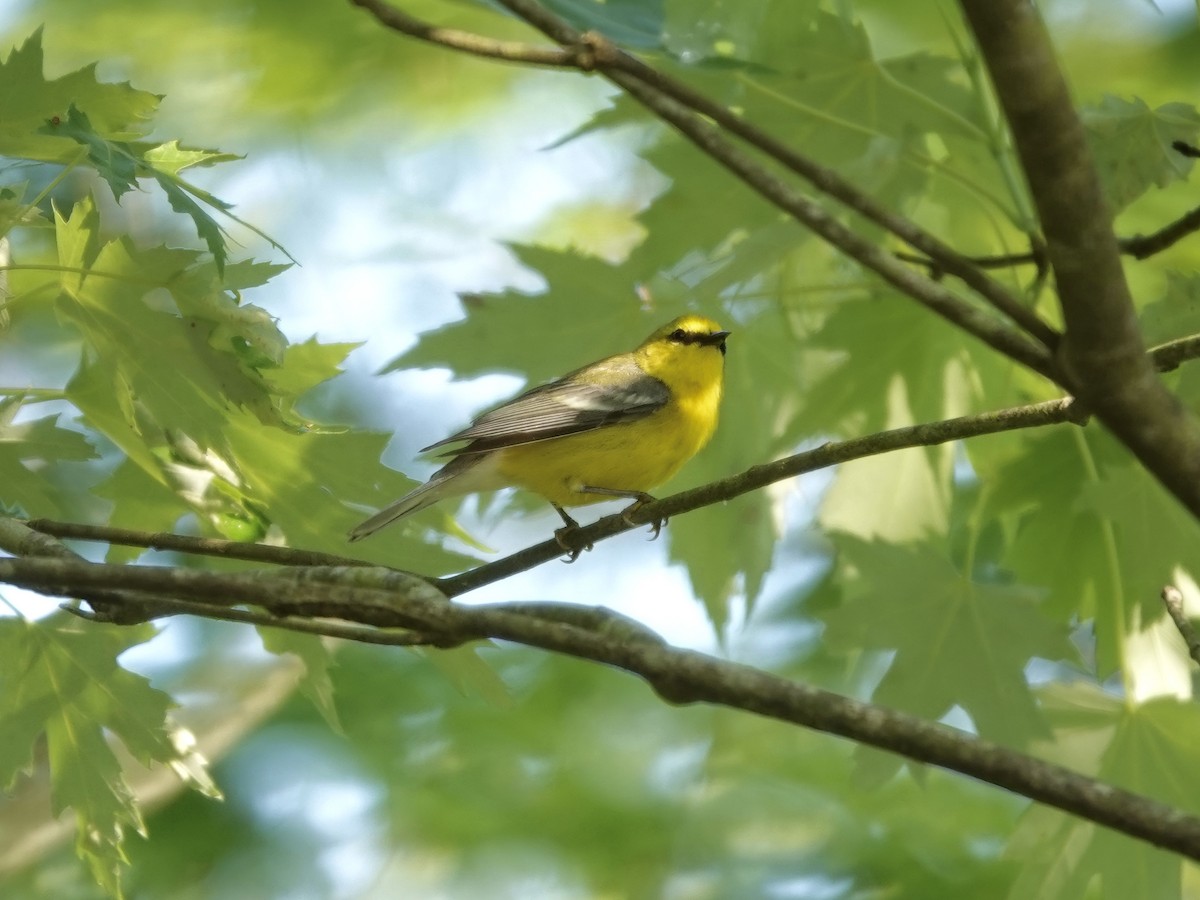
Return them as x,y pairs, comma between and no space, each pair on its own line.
678,335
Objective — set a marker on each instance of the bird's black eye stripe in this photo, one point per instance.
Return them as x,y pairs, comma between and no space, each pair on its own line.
679,336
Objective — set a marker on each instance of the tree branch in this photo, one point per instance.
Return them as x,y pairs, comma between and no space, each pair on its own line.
377,597
1172,599
202,546
1145,246
468,42
1102,350
673,102
1138,246
924,435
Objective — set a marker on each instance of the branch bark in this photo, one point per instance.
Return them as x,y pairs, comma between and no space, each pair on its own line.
378,598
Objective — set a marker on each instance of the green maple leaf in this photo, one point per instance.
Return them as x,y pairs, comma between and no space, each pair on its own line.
68,686
118,111
957,642
122,163
1131,144
28,446
1149,749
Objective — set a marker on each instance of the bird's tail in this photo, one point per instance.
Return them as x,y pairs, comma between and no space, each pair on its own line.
459,477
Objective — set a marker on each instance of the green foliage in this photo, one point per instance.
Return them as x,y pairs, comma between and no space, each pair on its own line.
1009,582
1132,145
64,686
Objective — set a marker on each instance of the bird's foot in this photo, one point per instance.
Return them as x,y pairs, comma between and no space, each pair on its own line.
656,525
564,537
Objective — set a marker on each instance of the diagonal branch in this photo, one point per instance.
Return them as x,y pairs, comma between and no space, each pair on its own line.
611,60
376,597
674,102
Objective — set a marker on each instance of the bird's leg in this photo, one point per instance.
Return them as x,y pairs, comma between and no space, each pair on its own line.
562,535
640,499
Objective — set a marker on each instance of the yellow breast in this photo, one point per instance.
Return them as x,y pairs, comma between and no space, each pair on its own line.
635,456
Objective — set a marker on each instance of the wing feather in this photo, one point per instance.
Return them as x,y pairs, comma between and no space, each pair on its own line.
609,392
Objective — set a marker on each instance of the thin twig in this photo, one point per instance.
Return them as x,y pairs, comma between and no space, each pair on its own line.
1138,246
201,546
469,42
1173,600
987,327
1141,247
321,627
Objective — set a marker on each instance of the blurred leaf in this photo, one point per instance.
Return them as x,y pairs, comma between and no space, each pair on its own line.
634,23
957,642
1042,489
31,445
315,683
68,686
1131,144
1154,537
1176,313
121,163
29,102
1145,749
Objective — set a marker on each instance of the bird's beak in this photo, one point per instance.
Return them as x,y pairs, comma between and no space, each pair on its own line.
716,339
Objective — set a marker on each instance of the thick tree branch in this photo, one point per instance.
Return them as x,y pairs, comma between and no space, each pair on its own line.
1102,351
379,598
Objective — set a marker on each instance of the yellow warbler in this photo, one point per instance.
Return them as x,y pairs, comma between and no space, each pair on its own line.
615,428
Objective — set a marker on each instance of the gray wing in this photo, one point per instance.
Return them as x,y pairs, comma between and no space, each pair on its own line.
617,391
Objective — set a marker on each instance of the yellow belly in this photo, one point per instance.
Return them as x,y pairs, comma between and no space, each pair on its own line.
634,456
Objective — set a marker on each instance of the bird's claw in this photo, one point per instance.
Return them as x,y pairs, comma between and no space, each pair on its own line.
562,537
656,525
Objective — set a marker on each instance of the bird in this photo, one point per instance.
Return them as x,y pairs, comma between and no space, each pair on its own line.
615,428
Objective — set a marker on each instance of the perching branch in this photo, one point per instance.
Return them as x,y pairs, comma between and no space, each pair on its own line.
376,597
831,454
